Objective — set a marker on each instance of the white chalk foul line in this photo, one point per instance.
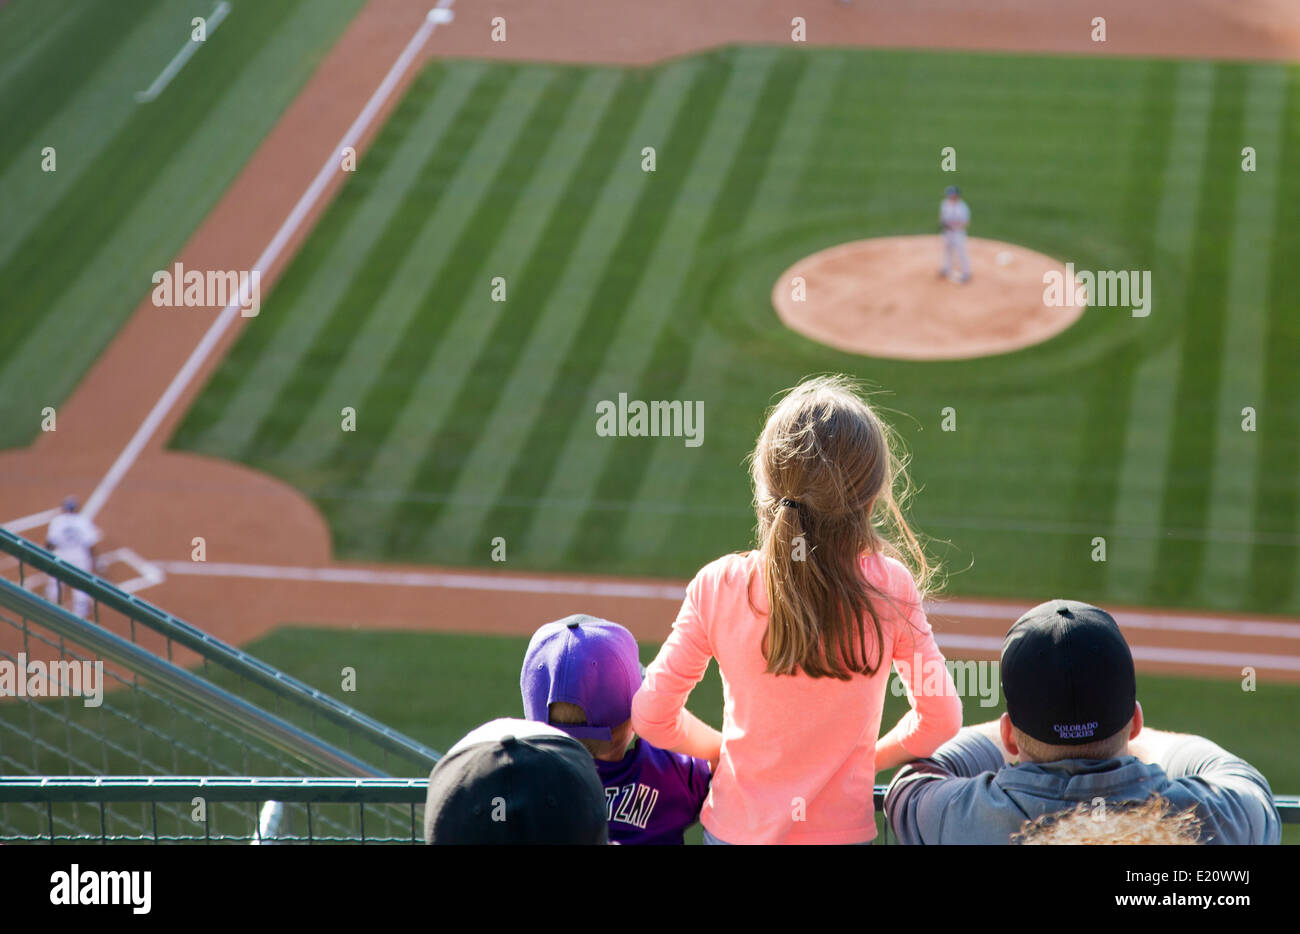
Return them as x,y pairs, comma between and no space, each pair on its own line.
147,573
675,592
34,521
1150,653
163,406
1010,612
183,56
435,579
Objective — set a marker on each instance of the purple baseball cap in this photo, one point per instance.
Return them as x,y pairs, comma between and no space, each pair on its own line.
586,661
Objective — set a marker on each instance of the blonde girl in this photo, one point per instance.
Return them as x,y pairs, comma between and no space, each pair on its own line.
805,629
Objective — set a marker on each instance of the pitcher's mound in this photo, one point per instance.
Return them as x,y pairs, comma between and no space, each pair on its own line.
884,298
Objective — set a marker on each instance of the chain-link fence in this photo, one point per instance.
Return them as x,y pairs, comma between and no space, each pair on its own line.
217,810
100,724
108,696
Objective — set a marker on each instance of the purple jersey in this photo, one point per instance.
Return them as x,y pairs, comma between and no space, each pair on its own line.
652,796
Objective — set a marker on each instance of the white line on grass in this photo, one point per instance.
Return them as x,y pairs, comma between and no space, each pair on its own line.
178,61
163,406
450,581
1244,345
1009,612
1151,653
1152,402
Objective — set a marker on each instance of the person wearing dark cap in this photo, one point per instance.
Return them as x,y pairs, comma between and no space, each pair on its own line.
579,675
515,782
1072,734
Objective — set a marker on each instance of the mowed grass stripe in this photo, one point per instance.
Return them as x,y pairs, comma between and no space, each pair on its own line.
1131,550
1108,418
447,266
557,287
472,132
672,472
440,308
453,280
472,321
50,81
453,436
1275,557
662,372
1233,472
1185,504
244,387
80,129
455,357
585,456
597,296
26,31
538,461
127,216
305,301
481,198
69,235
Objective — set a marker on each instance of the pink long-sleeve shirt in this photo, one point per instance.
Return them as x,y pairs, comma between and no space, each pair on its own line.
798,753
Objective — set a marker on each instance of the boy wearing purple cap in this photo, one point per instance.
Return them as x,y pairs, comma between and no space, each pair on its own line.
579,675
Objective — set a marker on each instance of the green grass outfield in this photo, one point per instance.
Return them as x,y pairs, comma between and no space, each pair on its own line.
436,687
132,181
476,419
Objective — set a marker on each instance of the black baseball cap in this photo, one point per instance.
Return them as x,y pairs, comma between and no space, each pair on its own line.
515,782
1067,674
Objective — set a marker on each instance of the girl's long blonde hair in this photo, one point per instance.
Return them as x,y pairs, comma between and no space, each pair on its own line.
827,489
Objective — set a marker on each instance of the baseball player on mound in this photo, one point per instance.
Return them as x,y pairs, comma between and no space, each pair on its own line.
954,218
72,537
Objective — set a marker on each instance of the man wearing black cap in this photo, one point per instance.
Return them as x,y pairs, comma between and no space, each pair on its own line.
1072,734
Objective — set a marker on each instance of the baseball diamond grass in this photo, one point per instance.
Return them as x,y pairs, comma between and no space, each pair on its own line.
476,419
435,687
132,181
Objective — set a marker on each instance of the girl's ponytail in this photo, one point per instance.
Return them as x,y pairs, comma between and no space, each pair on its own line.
822,468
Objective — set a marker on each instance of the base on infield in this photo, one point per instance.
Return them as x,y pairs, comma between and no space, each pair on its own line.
881,298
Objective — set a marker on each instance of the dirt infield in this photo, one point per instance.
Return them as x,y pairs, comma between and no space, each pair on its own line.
269,555
881,297
619,31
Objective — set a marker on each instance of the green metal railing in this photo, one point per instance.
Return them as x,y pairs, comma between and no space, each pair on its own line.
396,751
116,773
230,715
265,810
196,809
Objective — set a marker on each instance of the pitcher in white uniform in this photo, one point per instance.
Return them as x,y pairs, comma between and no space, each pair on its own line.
954,218
72,537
